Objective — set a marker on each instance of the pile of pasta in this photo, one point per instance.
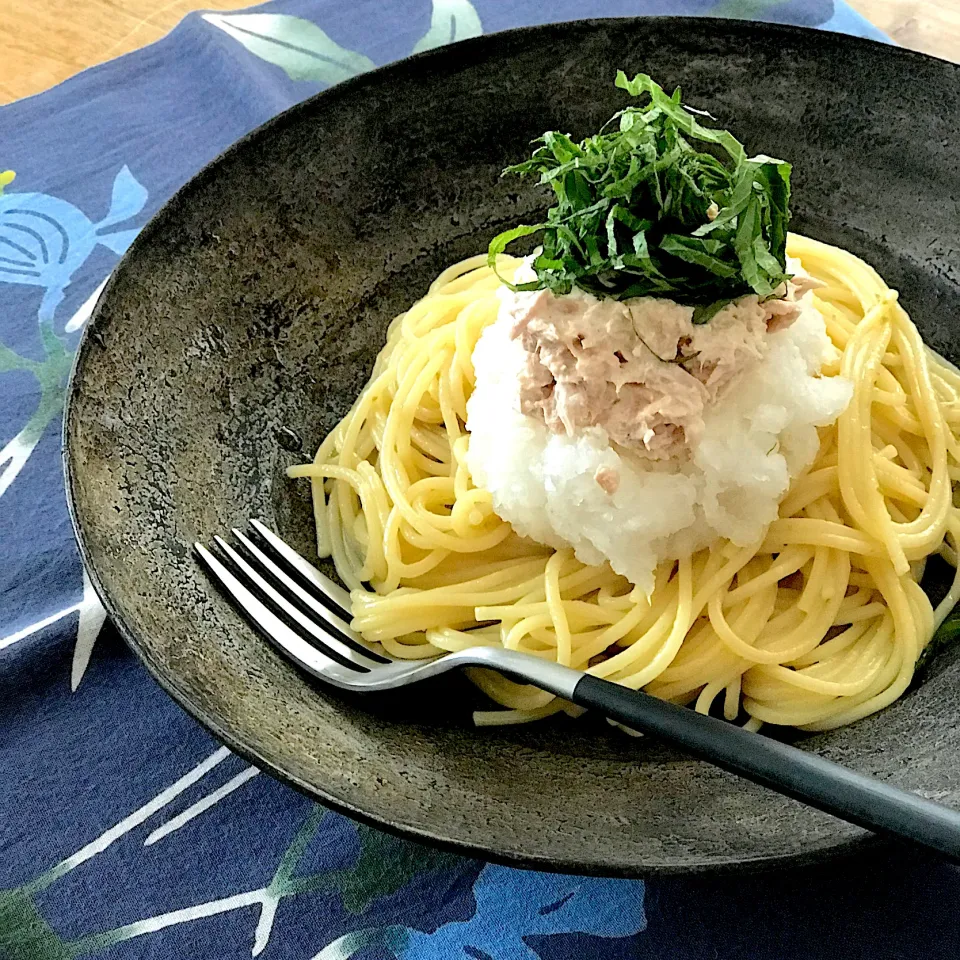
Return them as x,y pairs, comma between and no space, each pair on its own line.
818,625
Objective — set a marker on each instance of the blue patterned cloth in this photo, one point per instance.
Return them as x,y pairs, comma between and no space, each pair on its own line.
125,831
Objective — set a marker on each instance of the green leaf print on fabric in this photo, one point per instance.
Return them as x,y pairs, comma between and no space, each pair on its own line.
452,20
24,934
52,375
743,9
384,866
300,48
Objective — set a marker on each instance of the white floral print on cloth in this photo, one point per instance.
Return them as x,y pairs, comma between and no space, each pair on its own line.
509,904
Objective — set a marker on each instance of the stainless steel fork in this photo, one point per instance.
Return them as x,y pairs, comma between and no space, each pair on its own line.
305,615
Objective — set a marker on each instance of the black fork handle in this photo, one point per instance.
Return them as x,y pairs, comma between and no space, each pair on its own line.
793,772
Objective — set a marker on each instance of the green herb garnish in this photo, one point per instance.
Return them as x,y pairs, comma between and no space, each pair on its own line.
947,634
661,207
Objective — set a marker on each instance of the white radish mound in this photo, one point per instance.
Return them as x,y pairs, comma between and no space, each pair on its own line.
759,435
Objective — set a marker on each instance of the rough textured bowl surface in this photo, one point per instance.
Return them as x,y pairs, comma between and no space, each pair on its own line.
246,317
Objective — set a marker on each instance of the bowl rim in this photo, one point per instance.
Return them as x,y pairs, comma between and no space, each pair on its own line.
841,848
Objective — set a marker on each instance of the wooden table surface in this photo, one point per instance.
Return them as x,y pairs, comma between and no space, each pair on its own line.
46,41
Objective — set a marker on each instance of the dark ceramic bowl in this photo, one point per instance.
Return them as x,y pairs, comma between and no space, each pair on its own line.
246,317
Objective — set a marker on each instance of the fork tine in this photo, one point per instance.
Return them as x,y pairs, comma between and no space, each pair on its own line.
306,570
332,645
270,625
295,591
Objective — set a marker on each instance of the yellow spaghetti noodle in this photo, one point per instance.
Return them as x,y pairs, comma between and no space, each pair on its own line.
820,624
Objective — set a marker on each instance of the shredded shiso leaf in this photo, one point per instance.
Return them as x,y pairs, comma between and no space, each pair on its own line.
661,206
